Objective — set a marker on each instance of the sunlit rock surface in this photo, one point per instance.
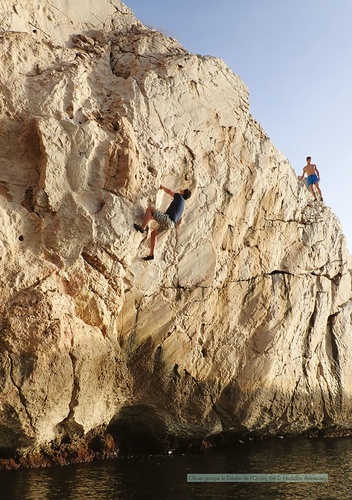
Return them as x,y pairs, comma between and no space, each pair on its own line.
241,323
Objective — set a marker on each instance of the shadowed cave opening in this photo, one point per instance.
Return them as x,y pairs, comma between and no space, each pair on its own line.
139,430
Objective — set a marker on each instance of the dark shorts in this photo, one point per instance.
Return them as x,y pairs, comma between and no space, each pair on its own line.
312,179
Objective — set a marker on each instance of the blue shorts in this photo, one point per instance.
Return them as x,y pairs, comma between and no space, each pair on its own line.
312,179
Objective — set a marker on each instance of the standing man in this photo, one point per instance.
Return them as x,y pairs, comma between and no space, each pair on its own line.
166,220
313,178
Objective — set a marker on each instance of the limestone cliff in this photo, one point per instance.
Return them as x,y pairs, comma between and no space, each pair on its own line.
242,323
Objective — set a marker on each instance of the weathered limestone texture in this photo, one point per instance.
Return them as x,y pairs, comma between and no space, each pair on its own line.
242,323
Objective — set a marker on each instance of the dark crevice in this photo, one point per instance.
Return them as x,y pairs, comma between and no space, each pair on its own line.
276,271
334,347
307,340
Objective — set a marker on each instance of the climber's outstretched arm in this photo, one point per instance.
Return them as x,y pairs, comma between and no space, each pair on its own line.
167,191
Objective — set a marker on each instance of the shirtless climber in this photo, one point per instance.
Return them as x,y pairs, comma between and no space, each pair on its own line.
313,178
166,220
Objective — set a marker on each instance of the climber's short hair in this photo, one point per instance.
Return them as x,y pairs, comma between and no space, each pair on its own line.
186,194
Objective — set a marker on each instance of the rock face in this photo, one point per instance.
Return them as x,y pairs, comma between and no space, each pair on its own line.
242,323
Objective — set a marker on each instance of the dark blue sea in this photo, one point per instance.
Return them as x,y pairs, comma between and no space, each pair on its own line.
164,477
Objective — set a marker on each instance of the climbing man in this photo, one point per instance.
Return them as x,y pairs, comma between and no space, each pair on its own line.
313,178
166,220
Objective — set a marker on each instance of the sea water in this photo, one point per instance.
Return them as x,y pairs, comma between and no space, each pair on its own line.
255,465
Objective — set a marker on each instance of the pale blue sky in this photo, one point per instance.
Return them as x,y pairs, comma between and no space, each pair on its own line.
295,58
